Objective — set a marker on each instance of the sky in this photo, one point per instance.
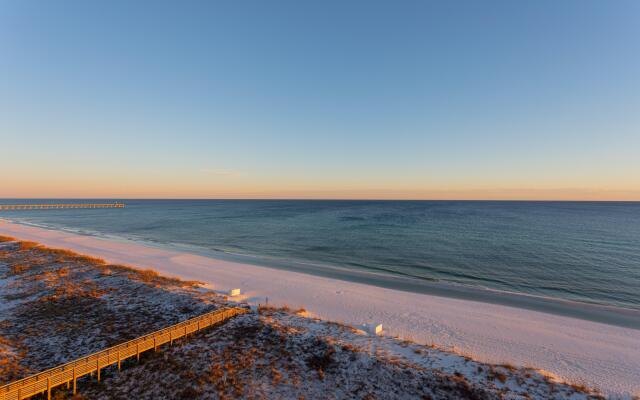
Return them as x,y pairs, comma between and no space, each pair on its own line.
320,99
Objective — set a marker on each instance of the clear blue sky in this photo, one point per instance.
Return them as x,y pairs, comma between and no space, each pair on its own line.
362,99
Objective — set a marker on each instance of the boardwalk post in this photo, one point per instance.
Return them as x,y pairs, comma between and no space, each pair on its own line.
98,367
155,348
170,338
48,388
138,351
119,360
74,380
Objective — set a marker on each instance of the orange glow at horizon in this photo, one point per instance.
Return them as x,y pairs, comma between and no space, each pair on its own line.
229,184
59,188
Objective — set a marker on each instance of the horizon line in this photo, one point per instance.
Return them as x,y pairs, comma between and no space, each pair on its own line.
318,199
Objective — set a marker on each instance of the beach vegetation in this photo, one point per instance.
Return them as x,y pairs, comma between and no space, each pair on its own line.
64,305
24,246
17,269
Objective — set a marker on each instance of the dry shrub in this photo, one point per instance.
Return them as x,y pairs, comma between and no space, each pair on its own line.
28,245
269,309
583,388
189,393
88,259
18,269
276,376
352,348
508,367
495,373
148,276
343,327
322,358
226,372
41,256
10,367
579,387
69,289
62,252
71,256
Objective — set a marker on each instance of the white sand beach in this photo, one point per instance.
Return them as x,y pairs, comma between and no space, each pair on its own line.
603,356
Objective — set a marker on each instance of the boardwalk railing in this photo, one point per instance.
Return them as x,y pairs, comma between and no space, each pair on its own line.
7,207
68,374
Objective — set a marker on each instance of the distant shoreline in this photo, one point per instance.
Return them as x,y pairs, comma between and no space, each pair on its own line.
122,199
605,356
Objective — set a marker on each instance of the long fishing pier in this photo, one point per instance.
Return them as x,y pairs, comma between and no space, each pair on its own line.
68,373
11,207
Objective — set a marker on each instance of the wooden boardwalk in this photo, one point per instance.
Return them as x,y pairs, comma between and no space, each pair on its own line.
68,373
9,207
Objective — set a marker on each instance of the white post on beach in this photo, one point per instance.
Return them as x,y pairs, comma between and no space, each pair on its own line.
375,329
234,292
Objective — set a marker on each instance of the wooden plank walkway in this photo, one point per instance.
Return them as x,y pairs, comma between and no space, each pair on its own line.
11,207
68,373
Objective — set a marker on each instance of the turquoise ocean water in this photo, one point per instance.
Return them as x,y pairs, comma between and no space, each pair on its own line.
582,251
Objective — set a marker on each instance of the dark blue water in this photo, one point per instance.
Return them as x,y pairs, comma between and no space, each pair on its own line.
582,251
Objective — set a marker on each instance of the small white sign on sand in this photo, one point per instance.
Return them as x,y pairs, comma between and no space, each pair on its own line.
234,292
375,329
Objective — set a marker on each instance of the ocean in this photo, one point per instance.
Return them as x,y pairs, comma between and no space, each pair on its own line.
580,251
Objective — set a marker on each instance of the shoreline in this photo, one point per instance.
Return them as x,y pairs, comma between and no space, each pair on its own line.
603,356
594,312
607,314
